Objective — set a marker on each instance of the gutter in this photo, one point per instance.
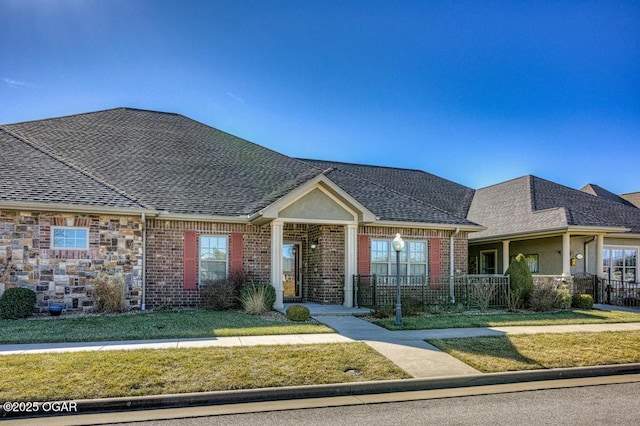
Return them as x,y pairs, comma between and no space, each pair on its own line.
552,232
68,208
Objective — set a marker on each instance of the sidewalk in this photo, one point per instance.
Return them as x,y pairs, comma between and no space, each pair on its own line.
407,349
432,369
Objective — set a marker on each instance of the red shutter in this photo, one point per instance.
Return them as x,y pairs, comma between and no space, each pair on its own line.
364,255
190,260
434,260
235,263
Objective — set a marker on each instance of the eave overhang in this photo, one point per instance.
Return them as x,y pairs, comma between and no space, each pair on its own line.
551,232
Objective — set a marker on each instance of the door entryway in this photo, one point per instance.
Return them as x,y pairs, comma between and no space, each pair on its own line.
488,262
291,275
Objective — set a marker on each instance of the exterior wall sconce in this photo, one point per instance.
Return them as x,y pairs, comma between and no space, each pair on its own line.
574,260
314,244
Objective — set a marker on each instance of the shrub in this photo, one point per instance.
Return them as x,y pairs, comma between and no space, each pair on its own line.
108,291
514,299
17,302
222,294
481,295
521,279
563,298
256,299
582,301
543,298
298,313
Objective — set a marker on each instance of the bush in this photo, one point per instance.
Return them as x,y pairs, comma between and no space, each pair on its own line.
17,302
222,294
582,301
298,313
521,280
543,298
256,299
563,298
108,291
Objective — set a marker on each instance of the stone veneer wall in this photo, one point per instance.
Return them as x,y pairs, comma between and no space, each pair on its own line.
65,276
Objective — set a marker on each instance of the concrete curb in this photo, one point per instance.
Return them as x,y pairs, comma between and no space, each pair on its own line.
105,405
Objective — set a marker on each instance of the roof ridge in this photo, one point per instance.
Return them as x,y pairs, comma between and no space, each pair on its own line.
80,114
396,192
63,161
374,166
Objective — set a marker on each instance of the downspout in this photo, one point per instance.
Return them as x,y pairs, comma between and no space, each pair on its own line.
451,267
143,305
584,251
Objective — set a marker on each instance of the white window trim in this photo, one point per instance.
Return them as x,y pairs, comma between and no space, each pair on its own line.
636,248
392,255
75,228
226,263
495,260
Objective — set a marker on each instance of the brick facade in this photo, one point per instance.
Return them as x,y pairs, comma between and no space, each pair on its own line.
432,237
65,276
115,246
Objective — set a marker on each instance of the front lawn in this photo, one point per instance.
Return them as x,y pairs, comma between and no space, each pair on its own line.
82,375
150,325
502,319
539,351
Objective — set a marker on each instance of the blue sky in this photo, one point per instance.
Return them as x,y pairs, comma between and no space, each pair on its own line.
478,92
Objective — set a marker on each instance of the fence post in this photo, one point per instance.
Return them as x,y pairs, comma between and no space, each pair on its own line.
375,291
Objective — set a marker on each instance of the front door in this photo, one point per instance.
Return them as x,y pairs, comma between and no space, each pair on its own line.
291,271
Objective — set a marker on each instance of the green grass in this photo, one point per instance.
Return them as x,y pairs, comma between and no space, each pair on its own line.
488,319
82,375
148,325
541,351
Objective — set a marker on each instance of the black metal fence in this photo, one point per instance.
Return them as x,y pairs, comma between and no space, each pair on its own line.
433,293
619,293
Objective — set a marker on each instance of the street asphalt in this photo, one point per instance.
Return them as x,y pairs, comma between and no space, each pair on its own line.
430,367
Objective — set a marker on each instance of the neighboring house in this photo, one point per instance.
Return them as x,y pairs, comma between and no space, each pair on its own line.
171,203
562,231
633,198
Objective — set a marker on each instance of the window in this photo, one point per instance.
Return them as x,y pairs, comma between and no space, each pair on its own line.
532,261
213,258
620,263
488,262
413,258
70,238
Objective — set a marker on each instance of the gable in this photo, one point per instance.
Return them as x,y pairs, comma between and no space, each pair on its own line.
316,205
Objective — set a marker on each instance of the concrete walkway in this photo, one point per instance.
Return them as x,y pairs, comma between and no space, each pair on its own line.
407,349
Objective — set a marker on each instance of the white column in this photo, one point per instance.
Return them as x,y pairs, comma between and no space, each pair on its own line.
566,254
505,256
350,262
276,261
599,260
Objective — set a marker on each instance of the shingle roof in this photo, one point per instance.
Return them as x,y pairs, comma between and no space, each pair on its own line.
603,193
433,190
30,175
633,198
169,162
530,204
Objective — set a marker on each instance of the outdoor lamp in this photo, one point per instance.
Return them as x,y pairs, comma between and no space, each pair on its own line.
398,245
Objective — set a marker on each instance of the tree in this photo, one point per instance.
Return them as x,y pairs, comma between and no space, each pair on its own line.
521,281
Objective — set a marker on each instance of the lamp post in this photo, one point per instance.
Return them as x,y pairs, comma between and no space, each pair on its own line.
398,245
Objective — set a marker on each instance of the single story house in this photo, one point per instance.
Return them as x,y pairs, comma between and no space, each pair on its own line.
171,203
562,231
